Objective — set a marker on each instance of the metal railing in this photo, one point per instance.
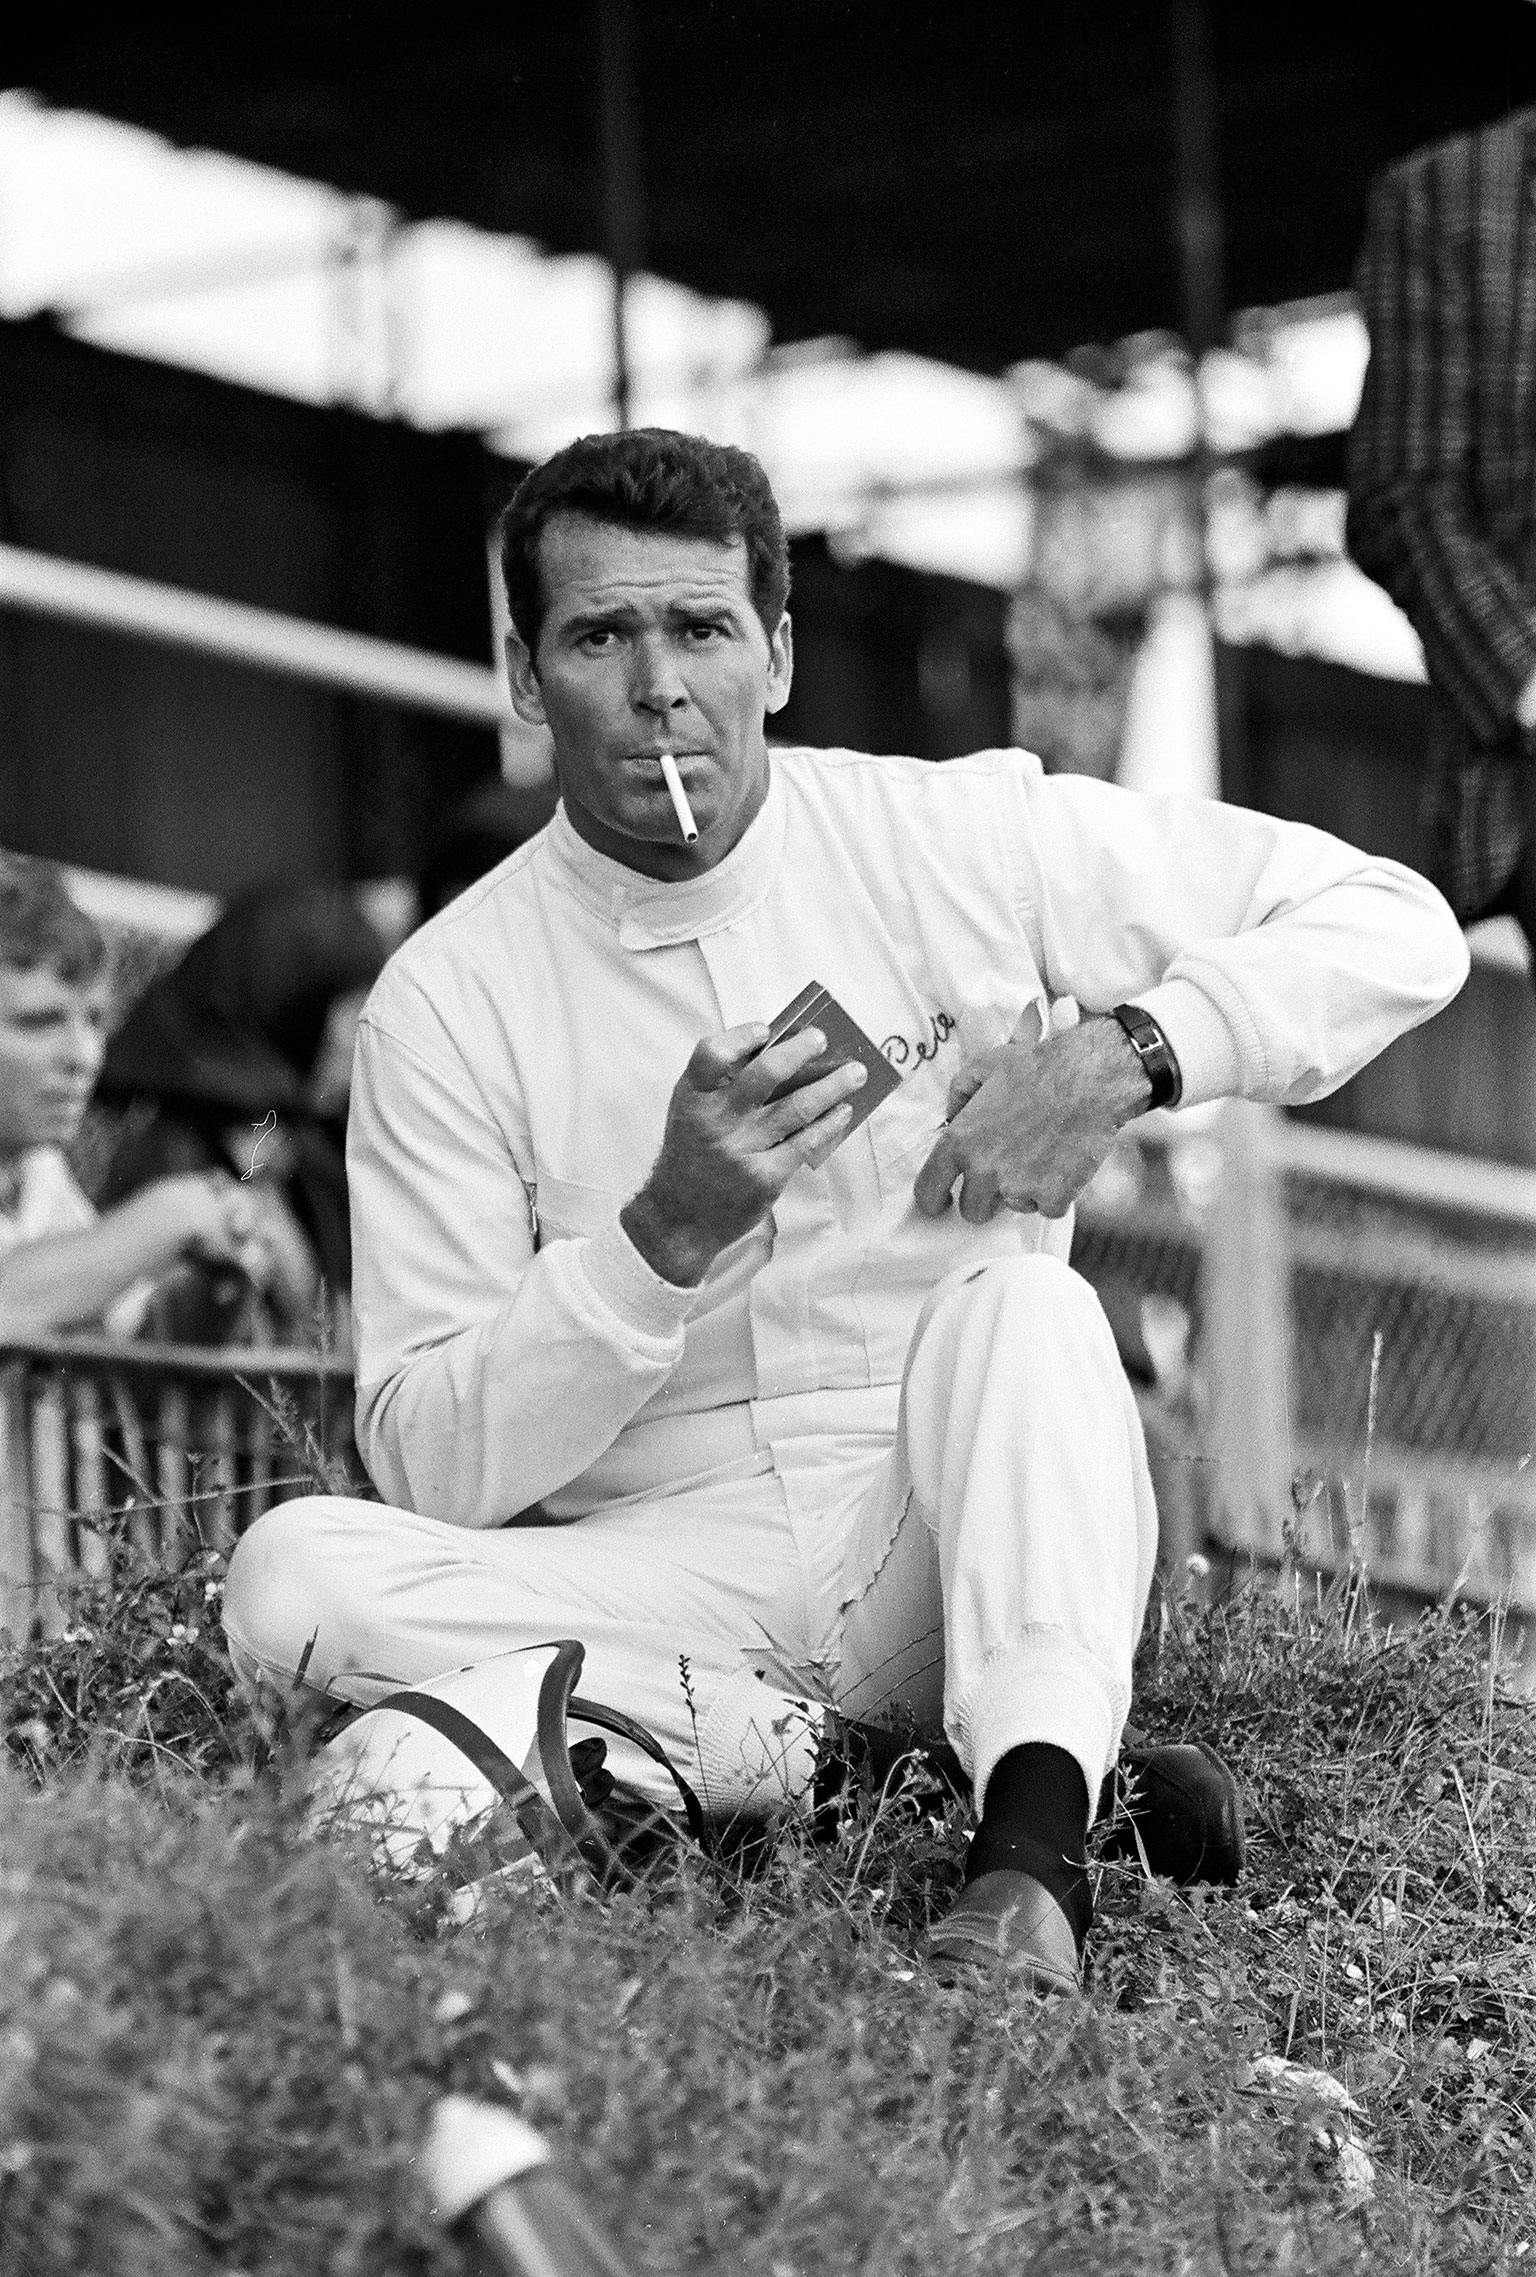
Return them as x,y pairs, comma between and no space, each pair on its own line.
1362,1316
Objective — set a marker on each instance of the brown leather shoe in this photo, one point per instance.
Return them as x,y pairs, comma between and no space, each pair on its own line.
1006,1919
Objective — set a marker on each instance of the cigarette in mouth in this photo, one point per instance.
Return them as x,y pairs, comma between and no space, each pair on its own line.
679,797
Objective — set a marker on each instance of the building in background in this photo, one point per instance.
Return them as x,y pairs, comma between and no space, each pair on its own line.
257,387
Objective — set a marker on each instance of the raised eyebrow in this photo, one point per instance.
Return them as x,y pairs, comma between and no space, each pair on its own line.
703,612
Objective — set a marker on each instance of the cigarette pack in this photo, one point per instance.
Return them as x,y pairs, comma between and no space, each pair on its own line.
816,1007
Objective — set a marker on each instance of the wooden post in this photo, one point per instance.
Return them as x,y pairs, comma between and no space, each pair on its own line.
173,1429
92,1548
260,1496
216,1517
144,1518
18,1576
53,1528
1248,1335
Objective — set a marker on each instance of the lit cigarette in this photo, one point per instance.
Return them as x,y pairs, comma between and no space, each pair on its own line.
679,797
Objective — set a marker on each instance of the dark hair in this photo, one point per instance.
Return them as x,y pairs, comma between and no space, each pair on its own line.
652,478
41,927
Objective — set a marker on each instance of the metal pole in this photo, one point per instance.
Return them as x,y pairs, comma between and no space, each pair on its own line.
1247,1281
1197,209
623,208
1201,239
43,585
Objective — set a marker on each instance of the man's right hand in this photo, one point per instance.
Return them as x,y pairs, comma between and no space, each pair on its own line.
729,1150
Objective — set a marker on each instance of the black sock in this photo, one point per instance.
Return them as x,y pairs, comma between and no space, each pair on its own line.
1036,1821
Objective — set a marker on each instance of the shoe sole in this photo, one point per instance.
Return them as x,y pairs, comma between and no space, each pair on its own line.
994,1928
974,1957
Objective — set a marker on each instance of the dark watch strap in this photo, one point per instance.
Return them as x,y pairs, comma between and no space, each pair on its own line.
1155,1053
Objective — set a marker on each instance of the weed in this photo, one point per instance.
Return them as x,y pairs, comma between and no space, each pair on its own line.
220,2039
136,1680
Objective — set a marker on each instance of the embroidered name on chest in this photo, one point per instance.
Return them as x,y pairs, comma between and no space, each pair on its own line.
901,1051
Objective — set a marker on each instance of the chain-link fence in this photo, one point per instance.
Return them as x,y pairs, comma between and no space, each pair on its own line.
1337,1336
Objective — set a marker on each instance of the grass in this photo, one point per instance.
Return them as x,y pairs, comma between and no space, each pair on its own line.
220,2039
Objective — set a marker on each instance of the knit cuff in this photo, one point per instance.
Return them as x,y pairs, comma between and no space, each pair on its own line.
621,1279
1200,1039
1045,1688
757,1751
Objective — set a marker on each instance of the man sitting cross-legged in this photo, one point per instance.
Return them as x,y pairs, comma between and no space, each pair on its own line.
657,1353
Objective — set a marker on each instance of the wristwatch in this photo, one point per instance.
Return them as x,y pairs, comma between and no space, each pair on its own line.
1155,1053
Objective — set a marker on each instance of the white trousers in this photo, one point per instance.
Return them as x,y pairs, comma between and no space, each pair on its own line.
987,1572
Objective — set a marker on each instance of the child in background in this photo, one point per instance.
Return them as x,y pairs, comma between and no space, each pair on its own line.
61,1265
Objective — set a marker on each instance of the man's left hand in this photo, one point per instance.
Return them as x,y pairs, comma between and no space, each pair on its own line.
1038,1125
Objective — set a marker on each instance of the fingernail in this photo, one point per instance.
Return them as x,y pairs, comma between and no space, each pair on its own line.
815,1036
860,1073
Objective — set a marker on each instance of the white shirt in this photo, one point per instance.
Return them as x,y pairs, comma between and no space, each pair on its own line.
516,1058
48,1201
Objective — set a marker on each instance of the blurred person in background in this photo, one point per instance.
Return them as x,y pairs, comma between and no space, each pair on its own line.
1106,635
240,1058
62,1265
1442,488
489,823
702,1364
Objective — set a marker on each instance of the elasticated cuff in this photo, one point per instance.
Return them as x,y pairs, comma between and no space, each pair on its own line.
757,1751
1202,1043
1046,1689
620,1277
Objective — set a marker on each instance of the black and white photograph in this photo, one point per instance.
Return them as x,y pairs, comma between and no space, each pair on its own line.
768,1140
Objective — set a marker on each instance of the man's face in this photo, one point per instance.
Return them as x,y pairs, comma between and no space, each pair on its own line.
51,1042
650,643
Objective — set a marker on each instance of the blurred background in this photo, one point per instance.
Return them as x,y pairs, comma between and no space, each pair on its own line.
1040,319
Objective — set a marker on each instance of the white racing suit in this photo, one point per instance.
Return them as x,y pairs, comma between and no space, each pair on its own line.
873,1458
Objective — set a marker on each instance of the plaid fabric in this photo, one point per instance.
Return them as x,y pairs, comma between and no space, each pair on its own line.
1442,473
